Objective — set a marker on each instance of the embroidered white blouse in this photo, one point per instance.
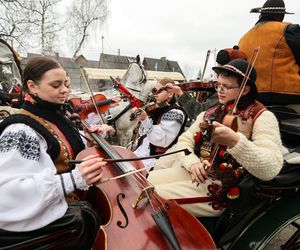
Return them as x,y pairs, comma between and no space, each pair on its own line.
32,194
161,135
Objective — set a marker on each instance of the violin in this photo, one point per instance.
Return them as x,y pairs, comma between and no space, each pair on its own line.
147,108
197,85
84,107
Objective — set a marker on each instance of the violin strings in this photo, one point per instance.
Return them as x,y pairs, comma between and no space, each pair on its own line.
140,179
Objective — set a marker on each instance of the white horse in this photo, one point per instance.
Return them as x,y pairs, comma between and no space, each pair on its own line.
135,80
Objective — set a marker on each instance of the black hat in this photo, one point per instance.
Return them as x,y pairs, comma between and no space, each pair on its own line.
271,7
238,67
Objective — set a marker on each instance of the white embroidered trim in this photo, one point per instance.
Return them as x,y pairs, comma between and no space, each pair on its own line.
273,8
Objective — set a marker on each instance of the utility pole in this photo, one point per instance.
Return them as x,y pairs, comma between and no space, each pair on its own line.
102,38
119,53
214,51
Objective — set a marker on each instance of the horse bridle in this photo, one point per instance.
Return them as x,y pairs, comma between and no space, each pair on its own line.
143,80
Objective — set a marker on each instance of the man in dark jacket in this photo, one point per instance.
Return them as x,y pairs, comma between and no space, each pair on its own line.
278,62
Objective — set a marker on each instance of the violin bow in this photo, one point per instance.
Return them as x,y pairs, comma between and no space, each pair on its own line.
204,69
85,77
186,152
205,64
250,66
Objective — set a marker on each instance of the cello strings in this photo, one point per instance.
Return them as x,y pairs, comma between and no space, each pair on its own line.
138,177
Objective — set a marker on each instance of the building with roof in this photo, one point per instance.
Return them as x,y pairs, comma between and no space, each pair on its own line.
162,64
156,68
114,61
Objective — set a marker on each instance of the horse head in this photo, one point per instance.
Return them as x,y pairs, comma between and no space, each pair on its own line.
135,80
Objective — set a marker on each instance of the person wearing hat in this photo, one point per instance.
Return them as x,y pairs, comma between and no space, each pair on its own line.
254,149
190,105
278,62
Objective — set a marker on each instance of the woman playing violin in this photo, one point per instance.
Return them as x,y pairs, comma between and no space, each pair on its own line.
189,103
161,130
255,148
35,147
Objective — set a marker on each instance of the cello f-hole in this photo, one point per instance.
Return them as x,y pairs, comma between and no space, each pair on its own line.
119,223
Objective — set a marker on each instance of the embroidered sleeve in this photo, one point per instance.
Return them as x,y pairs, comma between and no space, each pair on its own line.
28,146
173,115
31,196
146,127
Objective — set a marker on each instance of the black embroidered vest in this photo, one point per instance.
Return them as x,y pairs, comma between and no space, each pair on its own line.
63,139
156,118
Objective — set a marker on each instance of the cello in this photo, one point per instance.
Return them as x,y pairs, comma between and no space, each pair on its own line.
130,207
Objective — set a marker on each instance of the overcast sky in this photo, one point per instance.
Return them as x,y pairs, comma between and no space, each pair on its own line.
181,30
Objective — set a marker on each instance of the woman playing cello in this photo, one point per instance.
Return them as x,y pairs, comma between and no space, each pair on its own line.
35,147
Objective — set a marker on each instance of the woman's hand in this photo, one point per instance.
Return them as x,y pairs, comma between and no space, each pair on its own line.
108,128
224,136
93,129
91,169
198,171
115,103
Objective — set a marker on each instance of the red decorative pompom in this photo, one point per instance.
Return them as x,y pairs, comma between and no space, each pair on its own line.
229,108
233,193
225,166
221,152
197,136
216,206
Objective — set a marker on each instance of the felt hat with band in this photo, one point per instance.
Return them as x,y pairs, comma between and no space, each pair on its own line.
271,7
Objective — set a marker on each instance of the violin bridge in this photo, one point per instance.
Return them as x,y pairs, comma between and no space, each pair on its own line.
146,193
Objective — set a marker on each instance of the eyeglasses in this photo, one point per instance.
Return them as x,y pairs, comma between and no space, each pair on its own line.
224,89
156,91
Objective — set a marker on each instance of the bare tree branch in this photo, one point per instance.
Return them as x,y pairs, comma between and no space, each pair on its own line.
86,19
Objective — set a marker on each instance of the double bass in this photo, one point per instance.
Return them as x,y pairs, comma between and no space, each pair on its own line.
133,215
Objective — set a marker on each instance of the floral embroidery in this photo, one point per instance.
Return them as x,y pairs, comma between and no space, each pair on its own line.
28,146
229,108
